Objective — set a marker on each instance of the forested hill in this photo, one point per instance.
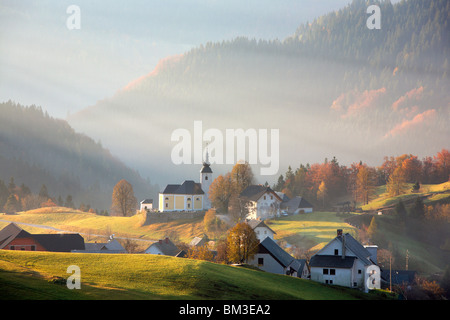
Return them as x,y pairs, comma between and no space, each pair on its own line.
334,88
36,150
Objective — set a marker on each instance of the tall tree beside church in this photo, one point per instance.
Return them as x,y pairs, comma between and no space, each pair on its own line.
124,202
220,192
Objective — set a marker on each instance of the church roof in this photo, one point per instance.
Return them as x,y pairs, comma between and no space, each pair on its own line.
206,168
188,187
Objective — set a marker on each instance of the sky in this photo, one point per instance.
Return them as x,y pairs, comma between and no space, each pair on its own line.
43,62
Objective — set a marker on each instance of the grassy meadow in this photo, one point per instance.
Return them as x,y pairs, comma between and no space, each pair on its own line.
28,275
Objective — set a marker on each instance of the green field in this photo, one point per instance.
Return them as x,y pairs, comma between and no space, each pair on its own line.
310,230
430,193
26,275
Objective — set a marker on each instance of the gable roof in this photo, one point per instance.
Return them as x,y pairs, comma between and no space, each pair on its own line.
283,258
357,248
60,242
254,223
353,245
166,247
254,192
10,232
147,201
188,187
329,261
296,203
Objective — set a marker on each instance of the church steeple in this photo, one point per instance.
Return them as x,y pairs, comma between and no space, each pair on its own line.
206,180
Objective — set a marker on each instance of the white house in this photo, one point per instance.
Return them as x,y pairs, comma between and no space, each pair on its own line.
345,262
261,229
146,204
261,202
272,258
163,247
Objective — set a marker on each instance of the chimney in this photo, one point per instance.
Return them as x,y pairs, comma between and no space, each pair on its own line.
167,240
341,234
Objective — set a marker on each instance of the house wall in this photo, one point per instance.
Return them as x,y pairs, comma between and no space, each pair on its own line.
262,233
270,264
153,250
25,244
341,277
263,207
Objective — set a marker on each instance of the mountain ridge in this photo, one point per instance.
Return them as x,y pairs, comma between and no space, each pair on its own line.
296,85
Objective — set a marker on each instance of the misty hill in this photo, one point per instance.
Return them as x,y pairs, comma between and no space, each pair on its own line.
36,149
334,88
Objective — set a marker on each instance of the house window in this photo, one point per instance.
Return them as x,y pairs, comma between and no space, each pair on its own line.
325,271
329,281
264,197
332,272
167,198
336,252
189,205
188,199
355,284
271,197
33,247
167,205
206,178
359,271
12,248
260,261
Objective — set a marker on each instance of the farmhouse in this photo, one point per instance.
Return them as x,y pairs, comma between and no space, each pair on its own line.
163,247
112,246
272,258
261,202
261,229
12,237
345,262
188,196
296,205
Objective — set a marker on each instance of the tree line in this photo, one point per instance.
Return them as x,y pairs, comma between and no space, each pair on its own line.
325,183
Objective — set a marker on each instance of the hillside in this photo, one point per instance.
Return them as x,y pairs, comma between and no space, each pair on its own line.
25,275
334,88
37,150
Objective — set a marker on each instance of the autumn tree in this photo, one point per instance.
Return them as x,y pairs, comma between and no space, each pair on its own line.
124,202
396,183
220,192
322,192
241,177
200,253
365,184
242,243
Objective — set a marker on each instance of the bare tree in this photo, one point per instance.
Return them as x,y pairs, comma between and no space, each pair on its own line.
124,202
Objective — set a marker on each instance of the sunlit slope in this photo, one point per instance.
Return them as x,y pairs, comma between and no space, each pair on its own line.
125,276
